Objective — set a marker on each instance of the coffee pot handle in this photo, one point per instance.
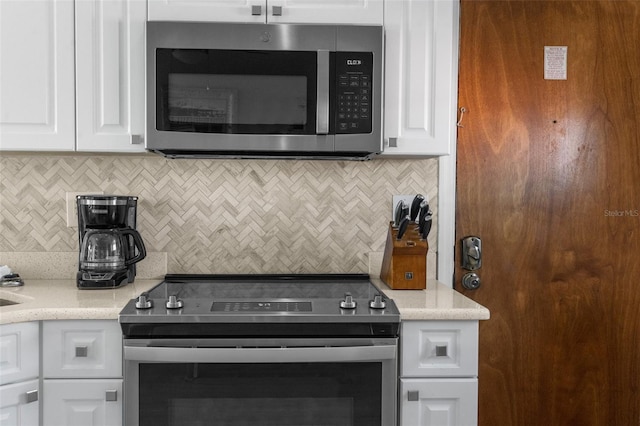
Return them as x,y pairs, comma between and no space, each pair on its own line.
137,241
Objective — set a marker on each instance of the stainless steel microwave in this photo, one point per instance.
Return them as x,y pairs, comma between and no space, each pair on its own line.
251,91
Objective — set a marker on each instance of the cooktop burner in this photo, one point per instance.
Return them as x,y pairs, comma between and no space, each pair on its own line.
211,305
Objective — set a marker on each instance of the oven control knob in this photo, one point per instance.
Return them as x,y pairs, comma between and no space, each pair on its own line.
348,302
174,303
378,302
143,303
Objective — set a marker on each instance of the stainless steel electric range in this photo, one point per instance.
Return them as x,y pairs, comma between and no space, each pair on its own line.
261,349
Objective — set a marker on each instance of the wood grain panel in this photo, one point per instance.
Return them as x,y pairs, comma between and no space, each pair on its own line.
548,176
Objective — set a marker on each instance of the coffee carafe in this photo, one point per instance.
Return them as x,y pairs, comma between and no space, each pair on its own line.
110,246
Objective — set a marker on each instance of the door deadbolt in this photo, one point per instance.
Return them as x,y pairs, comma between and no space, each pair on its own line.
471,253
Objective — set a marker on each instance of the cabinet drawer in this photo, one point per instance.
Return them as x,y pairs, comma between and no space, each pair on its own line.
19,352
19,404
82,349
439,348
96,402
438,402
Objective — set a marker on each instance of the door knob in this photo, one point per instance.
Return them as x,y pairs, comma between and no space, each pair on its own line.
471,281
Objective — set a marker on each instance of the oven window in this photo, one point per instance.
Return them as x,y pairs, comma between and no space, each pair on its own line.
300,394
243,92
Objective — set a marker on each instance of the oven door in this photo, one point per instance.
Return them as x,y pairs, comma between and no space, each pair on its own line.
261,382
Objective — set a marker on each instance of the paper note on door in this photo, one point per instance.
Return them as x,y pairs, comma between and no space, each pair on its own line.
555,62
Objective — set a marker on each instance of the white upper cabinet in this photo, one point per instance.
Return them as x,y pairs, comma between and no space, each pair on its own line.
359,12
421,75
207,10
41,90
36,75
110,75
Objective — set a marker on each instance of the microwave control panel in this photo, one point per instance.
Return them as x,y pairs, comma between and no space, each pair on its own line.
354,92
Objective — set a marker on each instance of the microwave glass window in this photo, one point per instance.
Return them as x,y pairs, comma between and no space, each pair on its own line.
230,99
221,91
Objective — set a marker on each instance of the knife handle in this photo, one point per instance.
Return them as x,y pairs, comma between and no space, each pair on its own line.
405,210
424,209
427,226
397,214
402,228
424,220
415,206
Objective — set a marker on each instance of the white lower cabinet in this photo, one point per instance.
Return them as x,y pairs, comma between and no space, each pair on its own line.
95,402
439,402
439,373
19,349
19,371
19,404
81,349
82,373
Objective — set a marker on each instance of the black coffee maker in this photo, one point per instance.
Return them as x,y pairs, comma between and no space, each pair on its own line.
110,245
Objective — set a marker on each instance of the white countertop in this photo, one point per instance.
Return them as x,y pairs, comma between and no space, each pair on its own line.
61,299
436,302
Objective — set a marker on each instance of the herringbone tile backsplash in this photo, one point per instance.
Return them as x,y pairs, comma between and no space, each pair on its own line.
217,216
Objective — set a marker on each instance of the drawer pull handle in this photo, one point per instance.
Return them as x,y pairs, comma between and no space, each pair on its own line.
111,395
441,350
413,395
82,351
256,10
277,10
31,396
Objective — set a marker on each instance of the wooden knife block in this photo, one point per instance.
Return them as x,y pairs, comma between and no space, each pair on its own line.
404,266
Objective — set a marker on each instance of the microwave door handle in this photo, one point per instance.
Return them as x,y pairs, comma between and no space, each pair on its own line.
322,110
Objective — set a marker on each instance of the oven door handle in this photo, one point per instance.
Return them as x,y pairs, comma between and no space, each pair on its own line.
260,355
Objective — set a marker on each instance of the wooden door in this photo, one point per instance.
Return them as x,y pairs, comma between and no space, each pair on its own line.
548,176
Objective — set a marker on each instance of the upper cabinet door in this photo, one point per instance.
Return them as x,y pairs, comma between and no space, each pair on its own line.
421,76
208,11
359,12
110,75
37,83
